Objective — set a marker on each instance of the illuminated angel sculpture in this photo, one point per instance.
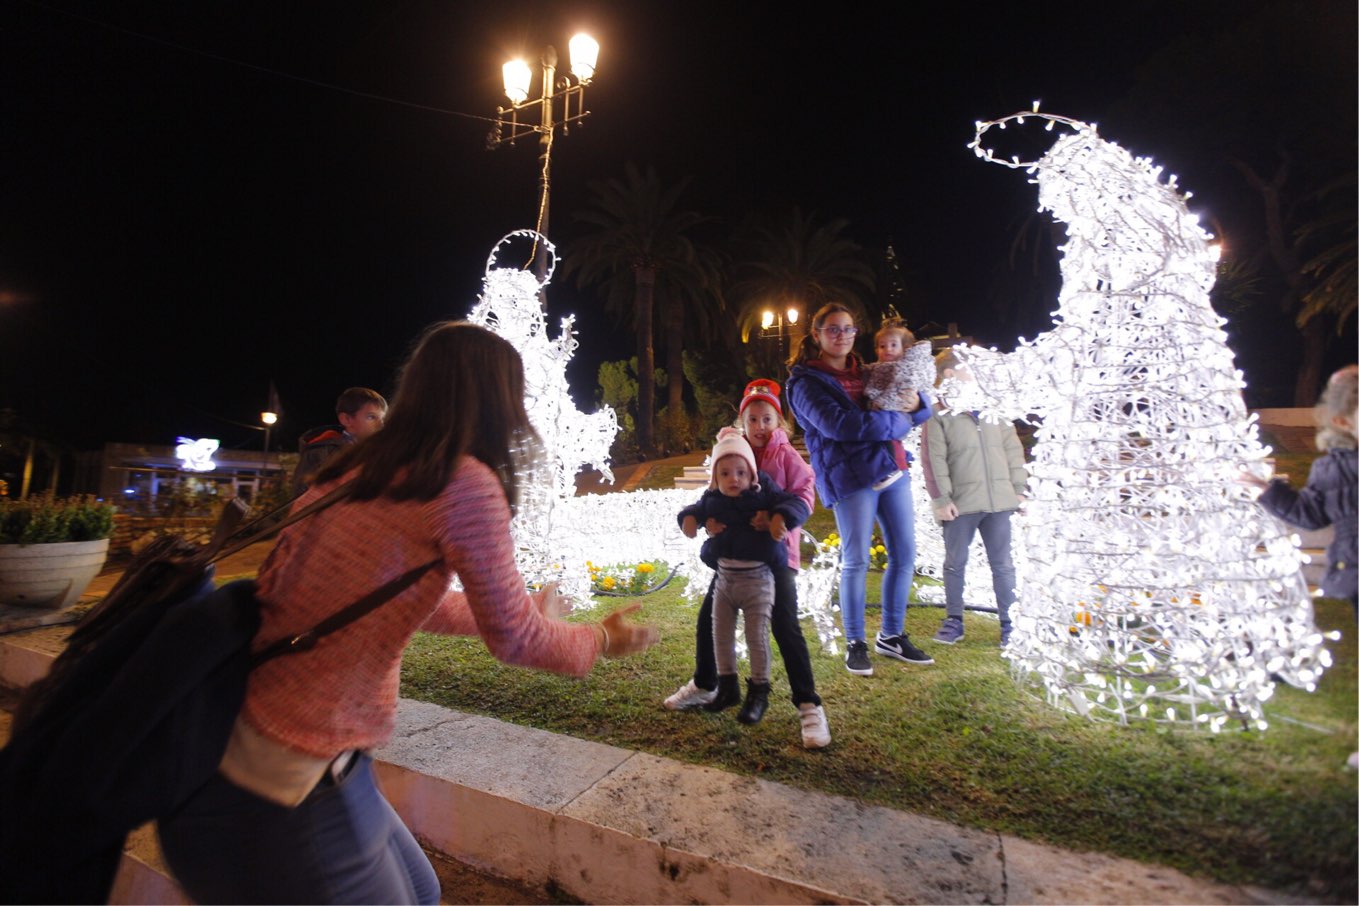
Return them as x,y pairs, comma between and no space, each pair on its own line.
558,534
1154,587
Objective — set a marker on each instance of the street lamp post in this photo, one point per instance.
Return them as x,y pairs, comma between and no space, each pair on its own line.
779,324
584,52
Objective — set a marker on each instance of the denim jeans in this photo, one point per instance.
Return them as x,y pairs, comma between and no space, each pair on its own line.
343,844
995,534
855,516
783,626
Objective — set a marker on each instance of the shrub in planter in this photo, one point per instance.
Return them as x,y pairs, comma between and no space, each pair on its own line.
51,548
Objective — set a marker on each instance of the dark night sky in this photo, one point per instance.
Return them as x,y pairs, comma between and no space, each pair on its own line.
197,199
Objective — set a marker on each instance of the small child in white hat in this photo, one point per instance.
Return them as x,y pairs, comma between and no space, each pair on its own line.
744,559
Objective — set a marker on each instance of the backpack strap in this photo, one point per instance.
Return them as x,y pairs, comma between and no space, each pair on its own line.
305,641
235,510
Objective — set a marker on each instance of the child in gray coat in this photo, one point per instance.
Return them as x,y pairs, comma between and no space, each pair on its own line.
975,476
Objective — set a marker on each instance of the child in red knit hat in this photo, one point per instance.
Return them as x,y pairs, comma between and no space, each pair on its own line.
762,422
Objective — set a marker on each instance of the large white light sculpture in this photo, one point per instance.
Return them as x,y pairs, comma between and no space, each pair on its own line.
558,534
1153,588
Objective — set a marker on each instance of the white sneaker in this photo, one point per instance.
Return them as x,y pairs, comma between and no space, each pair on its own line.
815,730
688,697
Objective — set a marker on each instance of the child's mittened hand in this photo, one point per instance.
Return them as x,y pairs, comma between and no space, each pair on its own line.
623,637
690,527
777,529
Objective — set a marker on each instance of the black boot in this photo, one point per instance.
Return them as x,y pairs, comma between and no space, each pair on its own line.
757,700
728,693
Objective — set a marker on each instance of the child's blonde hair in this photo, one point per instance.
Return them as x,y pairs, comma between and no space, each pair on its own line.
1340,398
895,325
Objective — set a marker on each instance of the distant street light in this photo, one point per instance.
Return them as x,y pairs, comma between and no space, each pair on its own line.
269,419
518,78
779,325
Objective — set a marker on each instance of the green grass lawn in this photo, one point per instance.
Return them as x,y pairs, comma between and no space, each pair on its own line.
963,742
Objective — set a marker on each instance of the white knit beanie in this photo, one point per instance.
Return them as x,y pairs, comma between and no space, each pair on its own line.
731,443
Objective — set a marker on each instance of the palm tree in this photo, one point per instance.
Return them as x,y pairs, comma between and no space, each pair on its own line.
800,263
641,251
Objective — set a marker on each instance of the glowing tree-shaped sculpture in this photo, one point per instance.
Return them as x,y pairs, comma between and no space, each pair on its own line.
1154,587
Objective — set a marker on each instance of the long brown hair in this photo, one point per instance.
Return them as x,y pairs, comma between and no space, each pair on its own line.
807,348
459,393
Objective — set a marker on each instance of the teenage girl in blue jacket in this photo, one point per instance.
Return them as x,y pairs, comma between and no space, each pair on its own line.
860,475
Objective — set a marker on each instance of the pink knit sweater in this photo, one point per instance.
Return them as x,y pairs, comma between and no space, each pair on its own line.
780,460
342,694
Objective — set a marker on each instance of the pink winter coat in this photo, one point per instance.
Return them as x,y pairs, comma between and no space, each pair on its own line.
782,462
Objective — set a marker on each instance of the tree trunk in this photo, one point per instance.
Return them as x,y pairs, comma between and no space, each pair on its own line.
677,423
1308,386
646,360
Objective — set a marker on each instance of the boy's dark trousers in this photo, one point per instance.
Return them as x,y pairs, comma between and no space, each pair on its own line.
783,625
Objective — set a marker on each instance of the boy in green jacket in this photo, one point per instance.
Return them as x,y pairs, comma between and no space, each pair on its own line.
975,476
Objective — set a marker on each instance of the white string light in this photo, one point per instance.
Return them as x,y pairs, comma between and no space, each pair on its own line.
1153,587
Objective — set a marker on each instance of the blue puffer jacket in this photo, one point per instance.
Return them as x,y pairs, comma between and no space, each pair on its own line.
850,448
1329,498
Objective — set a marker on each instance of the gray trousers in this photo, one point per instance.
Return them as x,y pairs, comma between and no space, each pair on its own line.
995,534
749,589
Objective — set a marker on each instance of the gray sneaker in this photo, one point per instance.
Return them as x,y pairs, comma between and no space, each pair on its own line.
950,631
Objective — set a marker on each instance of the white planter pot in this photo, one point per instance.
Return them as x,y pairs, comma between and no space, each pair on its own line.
49,575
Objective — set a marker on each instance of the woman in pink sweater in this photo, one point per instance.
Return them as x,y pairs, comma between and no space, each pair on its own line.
293,815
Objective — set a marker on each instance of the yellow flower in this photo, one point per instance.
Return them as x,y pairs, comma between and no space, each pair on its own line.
645,568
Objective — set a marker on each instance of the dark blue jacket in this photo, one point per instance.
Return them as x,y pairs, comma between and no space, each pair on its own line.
738,540
850,447
1329,498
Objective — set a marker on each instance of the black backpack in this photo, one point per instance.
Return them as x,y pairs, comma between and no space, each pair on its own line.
135,714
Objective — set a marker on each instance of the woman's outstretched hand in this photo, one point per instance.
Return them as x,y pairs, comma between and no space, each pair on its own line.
622,636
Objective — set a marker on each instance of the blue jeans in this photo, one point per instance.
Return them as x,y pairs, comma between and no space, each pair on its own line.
343,844
995,534
855,515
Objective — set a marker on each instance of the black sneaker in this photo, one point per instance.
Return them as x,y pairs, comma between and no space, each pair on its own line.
900,647
856,659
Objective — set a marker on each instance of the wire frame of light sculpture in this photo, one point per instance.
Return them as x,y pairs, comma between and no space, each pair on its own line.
545,528
1154,587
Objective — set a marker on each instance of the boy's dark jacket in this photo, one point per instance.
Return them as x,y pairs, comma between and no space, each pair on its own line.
738,540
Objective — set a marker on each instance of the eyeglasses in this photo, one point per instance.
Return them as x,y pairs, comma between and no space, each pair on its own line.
836,330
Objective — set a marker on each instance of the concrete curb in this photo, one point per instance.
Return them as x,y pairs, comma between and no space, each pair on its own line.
609,825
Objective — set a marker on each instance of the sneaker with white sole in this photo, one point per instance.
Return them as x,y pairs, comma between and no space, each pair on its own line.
856,658
950,631
815,730
900,648
689,697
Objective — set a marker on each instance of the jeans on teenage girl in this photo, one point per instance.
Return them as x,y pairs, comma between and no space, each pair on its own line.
995,533
855,515
783,626
343,844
